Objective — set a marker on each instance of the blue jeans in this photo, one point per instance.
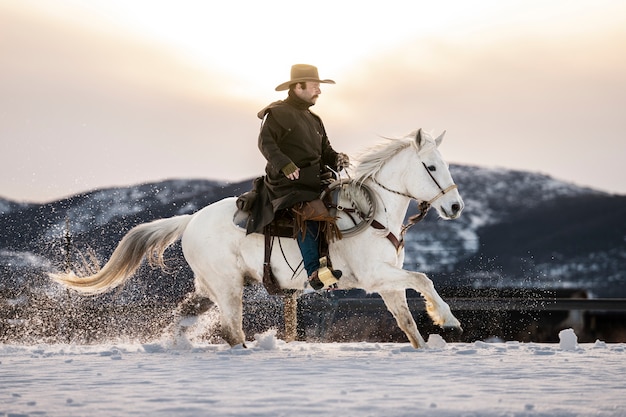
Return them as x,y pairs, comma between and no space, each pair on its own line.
309,246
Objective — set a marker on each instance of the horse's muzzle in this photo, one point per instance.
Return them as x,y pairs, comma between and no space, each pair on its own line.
453,211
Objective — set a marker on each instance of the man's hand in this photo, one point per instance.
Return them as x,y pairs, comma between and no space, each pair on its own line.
294,175
343,161
291,171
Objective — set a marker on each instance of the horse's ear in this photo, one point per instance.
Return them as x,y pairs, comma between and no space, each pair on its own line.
440,138
418,137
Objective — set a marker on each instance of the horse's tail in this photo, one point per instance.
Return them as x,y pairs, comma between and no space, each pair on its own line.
148,239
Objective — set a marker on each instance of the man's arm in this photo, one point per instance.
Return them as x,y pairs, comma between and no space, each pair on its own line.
270,134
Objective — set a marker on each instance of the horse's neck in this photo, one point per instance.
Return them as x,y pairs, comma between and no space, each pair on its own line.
392,207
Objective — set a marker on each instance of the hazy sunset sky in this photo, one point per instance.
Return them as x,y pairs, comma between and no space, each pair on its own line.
98,93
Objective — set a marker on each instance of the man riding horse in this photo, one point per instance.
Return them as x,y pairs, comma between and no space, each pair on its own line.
294,143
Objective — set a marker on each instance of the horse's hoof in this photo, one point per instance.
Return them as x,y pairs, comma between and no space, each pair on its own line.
452,332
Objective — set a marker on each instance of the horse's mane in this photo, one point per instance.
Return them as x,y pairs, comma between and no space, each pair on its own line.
373,158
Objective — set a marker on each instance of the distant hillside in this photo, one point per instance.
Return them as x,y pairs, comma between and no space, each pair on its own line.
519,229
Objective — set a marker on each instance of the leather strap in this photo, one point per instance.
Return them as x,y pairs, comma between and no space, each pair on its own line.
269,280
398,244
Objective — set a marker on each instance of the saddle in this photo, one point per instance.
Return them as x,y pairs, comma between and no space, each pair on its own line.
286,223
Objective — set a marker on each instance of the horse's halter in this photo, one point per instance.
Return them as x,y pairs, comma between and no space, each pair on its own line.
442,190
423,207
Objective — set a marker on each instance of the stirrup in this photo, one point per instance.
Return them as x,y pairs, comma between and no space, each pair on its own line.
324,277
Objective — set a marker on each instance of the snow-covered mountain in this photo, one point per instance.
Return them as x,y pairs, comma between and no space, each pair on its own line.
528,230
519,229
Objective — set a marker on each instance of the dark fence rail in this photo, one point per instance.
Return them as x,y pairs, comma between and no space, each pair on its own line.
541,304
507,304
537,317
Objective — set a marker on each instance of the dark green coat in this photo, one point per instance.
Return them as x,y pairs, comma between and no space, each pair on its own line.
292,133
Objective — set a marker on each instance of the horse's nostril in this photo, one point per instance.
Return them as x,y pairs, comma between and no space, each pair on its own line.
456,207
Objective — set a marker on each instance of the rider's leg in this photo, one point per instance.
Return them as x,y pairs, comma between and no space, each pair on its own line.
309,247
318,270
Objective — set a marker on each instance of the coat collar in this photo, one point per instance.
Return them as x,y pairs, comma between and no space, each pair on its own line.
297,102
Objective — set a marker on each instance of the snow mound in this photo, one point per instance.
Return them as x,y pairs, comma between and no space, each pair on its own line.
267,340
568,340
435,341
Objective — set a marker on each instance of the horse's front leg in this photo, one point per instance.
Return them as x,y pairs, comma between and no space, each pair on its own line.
437,309
395,301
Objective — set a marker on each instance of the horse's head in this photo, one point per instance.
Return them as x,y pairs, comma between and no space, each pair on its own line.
428,176
412,167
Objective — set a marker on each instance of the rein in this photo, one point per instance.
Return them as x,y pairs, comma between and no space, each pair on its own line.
423,207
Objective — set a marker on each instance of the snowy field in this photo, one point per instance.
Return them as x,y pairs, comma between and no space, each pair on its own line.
274,378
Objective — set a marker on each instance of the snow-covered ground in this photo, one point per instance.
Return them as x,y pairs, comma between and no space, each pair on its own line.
274,378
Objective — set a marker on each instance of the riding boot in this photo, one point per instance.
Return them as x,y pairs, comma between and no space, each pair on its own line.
324,277
320,273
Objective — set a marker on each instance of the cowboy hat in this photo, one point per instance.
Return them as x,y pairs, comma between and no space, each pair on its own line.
301,73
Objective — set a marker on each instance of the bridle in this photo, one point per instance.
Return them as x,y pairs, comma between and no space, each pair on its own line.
442,191
423,207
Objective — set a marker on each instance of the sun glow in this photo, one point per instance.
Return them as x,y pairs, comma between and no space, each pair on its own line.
253,44
502,77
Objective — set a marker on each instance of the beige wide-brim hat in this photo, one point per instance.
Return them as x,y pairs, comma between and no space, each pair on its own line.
300,73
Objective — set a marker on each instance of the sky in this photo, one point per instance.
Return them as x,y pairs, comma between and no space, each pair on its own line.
102,93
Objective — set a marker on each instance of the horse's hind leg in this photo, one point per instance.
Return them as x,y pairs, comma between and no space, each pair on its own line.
228,295
231,317
186,314
194,305
397,305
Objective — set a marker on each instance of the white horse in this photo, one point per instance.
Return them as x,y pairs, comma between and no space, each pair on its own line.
223,258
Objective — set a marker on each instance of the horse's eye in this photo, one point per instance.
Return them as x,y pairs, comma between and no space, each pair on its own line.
432,168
